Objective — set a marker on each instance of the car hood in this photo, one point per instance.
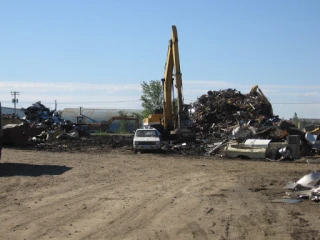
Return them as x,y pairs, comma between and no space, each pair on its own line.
146,139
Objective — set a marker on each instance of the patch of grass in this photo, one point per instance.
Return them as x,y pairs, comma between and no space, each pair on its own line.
100,133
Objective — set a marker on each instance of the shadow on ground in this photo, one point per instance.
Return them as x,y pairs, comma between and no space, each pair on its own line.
32,170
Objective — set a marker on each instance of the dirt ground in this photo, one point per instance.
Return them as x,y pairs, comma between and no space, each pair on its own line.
119,195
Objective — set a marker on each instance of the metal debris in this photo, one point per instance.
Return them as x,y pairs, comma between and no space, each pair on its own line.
220,111
306,187
40,125
227,122
38,113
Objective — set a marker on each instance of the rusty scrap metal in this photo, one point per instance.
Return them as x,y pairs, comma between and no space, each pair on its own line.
228,108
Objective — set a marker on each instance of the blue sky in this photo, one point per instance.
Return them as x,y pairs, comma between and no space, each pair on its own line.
95,54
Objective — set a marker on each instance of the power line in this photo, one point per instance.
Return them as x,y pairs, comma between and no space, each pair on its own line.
305,103
284,103
80,102
97,102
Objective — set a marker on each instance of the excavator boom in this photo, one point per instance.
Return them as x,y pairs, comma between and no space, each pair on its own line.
167,83
173,116
177,73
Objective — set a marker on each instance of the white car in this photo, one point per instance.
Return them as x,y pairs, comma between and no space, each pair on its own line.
146,139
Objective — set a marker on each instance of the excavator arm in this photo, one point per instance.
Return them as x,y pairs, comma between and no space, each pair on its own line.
177,74
172,119
167,83
172,122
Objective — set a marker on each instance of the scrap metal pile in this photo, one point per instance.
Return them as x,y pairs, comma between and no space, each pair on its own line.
228,123
44,129
221,111
39,125
93,143
38,112
232,124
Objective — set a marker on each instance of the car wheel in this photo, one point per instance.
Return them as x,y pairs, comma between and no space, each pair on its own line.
135,151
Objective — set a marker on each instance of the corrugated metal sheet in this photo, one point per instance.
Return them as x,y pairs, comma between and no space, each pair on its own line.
94,115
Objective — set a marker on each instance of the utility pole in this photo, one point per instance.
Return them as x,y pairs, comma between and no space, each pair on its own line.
55,105
15,101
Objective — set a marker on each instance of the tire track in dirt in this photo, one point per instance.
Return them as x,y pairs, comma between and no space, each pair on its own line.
66,209
57,198
123,196
152,212
63,196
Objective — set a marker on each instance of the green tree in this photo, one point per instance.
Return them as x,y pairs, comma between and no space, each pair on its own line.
295,119
123,123
152,95
137,115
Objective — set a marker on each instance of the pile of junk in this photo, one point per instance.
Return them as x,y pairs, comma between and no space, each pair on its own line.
227,123
307,187
39,124
231,124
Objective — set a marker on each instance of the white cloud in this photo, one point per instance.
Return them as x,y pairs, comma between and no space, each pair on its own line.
306,94
206,82
236,85
290,86
300,94
67,87
97,95
303,111
72,94
190,90
311,94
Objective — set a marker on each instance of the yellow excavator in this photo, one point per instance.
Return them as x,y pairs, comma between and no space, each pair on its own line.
173,121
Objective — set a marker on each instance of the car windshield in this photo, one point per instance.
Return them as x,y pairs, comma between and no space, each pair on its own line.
146,133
